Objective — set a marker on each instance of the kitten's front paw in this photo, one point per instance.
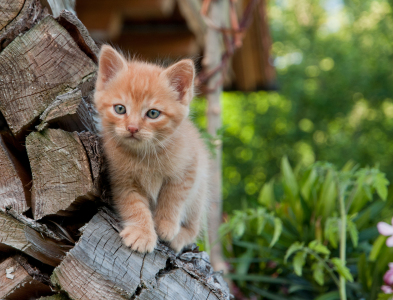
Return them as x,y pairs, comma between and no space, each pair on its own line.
167,230
139,239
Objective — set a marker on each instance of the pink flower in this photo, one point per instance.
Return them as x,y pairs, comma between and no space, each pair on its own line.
387,289
388,277
386,230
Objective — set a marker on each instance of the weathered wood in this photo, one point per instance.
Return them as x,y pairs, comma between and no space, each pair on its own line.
19,284
49,62
101,267
79,33
14,181
69,112
60,168
17,17
15,235
9,10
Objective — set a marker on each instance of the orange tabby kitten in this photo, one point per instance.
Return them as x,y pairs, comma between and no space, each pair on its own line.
158,163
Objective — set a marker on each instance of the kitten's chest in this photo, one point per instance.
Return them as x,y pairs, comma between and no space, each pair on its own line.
151,183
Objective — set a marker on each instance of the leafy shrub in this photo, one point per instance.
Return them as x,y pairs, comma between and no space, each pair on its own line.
291,245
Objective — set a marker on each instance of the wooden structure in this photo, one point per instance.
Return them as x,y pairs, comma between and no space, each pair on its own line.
58,236
170,29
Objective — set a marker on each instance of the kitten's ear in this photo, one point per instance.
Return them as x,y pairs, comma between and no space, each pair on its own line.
181,77
110,63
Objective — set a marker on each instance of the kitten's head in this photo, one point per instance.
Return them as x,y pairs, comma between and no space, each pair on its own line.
141,104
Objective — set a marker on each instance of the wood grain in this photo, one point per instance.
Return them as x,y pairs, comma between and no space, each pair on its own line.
60,168
14,179
101,267
21,285
48,63
9,10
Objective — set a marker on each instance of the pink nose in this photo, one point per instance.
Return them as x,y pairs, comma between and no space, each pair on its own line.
132,129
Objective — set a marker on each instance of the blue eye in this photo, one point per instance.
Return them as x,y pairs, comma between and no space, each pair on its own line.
153,114
120,109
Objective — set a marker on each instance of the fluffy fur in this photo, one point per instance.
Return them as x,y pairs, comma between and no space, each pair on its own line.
158,167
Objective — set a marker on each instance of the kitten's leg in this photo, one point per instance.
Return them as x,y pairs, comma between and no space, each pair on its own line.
192,223
170,203
138,232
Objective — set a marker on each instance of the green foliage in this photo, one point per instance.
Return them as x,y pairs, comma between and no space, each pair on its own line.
289,244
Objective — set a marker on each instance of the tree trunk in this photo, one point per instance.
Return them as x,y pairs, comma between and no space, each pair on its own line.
58,235
212,59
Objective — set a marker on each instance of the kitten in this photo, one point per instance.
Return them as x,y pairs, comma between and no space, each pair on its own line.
158,163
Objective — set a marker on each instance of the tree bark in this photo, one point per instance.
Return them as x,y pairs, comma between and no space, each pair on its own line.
213,46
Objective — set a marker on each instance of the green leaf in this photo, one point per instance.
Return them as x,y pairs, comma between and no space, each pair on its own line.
296,246
342,269
277,231
379,242
353,232
298,262
318,247
261,221
309,184
266,196
289,177
380,185
240,228
331,231
318,272
329,296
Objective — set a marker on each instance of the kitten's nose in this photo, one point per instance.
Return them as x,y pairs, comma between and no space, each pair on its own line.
132,129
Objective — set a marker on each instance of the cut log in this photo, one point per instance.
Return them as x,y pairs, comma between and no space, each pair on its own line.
101,267
17,284
14,181
60,168
17,17
49,62
15,235
79,33
69,112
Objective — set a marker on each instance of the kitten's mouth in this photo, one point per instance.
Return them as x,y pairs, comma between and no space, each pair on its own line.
133,137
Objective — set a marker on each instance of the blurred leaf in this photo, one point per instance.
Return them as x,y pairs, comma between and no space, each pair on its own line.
353,232
381,184
266,196
329,296
318,268
298,262
377,245
318,247
277,231
341,269
296,246
289,178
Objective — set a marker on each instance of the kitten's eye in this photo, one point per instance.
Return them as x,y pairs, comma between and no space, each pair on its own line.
120,109
153,114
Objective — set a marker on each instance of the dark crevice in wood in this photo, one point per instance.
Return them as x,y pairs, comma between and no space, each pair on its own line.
79,33
35,268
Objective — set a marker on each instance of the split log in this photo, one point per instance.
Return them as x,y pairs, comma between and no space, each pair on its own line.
60,168
14,181
49,62
16,283
17,236
101,267
17,17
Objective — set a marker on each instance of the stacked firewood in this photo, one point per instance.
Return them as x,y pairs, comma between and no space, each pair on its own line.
58,234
